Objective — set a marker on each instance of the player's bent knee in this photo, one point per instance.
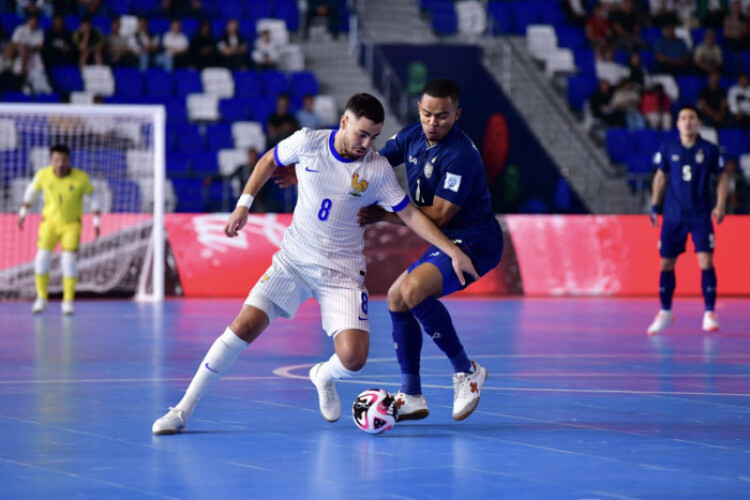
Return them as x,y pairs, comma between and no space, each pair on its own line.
395,301
668,264
249,323
412,293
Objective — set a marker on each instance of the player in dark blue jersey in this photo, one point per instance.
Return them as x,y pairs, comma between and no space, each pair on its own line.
685,169
447,182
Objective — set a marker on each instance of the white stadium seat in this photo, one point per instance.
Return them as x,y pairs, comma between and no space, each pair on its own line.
230,159
709,133
668,82
325,107
98,80
203,107
472,17
139,164
540,39
249,135
559,61
146,186
291,58
38,159
745,165
277,29
218,82
8,135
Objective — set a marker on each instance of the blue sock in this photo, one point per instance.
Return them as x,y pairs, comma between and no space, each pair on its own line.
437,323
666,289
708,284
407,340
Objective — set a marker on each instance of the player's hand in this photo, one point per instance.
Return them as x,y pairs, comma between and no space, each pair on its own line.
462,264
284,177
236,221
654,215
370,215
718,214
97,232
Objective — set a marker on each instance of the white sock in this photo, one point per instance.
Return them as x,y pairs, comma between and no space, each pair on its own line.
219,359
333,369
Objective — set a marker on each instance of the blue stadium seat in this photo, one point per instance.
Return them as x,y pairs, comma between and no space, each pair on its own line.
205,163
585,60
580,88
234,109
551,14
563,196
534,206
101,23
187,81
524,12
303,83
258,9
125,196
10,22
189,194
158,26
646,141
52,98
247,83
15,96
734,142
190,26
261,108
146,7
247,31
72,22
444,19
176,109
158,83
649,61
232,9
289,12
690,88
67,79
274,83
502,18
128,82
639,166
619,144
650,35
188,138
219,136
744,62
120,7
178,164
15,164
571,37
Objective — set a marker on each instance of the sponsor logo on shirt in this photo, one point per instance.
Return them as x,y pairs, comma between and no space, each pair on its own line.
412,160
452,182
360,186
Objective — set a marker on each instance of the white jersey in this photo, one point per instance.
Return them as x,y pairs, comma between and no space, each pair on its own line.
332,189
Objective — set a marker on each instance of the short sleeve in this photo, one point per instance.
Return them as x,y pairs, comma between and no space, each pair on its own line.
391,197
88,188
718,163
394,150
660,159
459,175
288,151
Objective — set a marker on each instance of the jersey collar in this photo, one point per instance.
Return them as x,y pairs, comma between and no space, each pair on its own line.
333,149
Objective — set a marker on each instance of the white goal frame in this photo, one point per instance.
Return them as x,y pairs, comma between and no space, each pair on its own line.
157,115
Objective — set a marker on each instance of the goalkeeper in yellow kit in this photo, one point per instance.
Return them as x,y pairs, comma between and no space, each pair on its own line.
63,187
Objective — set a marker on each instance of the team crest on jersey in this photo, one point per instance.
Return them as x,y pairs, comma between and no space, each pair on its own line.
360,186
699,156
428,168
452,182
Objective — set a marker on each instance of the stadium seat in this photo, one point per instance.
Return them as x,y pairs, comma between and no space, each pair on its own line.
274,83
303,83
709,134
190,26
249,135
559,61
52,98
287,11
666,81
128,82
219,136
67,78
218,82
16,188
619,144
120,7
745,166
291,58
231,9
540,40
188,138
234,109
145,7
258,9
158,26
261,108
570,37
125,196
10,22
146,188
580,88
178,164
187,82
205,164
734,142
8,135
16,96
158,83
247,83
472,18
38,158
98,80
690,88
230,159
646,141
176,109
525,13
325,107
444,19
276,28
189,194
501,19
202,107
138,163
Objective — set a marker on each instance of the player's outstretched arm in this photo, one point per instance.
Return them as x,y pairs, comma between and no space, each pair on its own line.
658,188
261,173
424,227
29,195
722,189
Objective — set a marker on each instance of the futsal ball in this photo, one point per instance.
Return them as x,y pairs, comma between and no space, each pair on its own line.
374,411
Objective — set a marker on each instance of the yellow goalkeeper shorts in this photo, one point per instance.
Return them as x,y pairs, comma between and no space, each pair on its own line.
68,234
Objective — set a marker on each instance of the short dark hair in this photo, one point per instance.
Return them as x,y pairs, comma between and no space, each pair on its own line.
60,148
689,108
366,105
442,88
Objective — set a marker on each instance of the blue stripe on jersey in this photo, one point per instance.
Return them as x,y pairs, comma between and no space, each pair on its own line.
401,205
333,149
276,156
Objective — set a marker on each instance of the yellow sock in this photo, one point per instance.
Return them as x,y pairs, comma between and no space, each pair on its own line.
42,283
69,288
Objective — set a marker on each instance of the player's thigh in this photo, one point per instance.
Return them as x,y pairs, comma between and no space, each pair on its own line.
344,304
672,239
70,236
281,289
702,232
48,236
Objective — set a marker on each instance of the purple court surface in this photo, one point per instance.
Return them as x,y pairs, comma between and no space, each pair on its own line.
580,404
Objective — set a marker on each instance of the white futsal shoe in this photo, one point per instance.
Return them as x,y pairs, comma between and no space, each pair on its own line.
467,387
710,322
661,321
173,422
328,398
67,307
39,306
411,407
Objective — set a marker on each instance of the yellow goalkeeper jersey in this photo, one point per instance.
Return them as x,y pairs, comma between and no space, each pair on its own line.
63,197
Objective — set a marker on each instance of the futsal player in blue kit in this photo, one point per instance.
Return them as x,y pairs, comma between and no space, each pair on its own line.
685,168
447,182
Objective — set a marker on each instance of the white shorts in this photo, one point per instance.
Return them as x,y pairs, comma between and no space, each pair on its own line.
287,284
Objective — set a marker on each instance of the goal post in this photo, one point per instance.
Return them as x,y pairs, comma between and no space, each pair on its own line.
122,148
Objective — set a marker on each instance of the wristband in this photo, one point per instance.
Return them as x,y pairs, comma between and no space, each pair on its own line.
246,200
23,211
97,221
654,210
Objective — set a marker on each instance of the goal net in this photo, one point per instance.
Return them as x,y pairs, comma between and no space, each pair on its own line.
122,150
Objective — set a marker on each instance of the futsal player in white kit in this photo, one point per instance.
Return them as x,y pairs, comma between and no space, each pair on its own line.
321,253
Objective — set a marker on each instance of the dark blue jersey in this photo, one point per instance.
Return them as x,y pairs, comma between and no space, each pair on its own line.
689,172
451,169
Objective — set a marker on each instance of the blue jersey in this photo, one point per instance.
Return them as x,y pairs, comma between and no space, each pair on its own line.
689,172
451,169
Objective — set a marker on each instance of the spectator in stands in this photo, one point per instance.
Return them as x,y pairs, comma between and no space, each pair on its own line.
266,53
662,12
637,72
739,101
711,12
203,52
322,12
307,117
672,53
738,190
609,69
175,47
89,43
121,50
735,27
686,14
146,44
656,107
601,106
58,46
712,103
575,12
708,56
34,8
10,80
232,47
598,29
29,39
181,8
627,27
281,124
627,101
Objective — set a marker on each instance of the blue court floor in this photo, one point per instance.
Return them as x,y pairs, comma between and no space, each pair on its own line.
579,404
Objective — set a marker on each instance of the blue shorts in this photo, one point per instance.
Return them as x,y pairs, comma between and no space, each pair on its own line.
674,235
484,256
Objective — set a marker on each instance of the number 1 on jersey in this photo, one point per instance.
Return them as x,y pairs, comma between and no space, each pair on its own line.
325,209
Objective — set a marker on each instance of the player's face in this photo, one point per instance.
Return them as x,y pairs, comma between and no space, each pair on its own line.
60,163
437,114
688,123
359,135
